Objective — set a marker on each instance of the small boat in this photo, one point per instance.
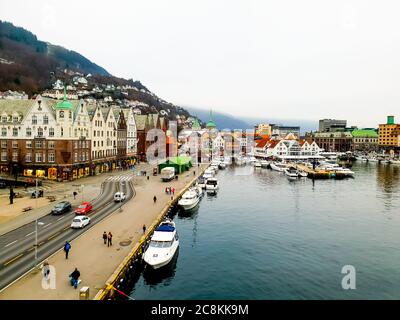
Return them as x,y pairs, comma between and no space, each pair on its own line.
201,182
372,160
302,173
240,161
291,172
163,245
393,161
212,184
190,199
252,159
264,164
209,173
257,164
277,166
215,168
222,165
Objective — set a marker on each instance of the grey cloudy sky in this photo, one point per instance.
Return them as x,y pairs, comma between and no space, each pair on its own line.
306,59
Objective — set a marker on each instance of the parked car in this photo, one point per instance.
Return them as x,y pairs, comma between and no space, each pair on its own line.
62,207
83,208
119,196
3,184
80,222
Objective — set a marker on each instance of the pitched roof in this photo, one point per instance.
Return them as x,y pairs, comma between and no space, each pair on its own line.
140,120
262,143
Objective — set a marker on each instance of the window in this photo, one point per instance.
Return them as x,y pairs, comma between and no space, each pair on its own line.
76,145
75,157
50,145
39,157
34,119
15,118
51,157
51,132
29,144
15,132
76,132
4,156
28,132
70,115
4,144
3,118
28,157
45,119
38,144
15,144
61,114
62,132
40,132
3,132
15,156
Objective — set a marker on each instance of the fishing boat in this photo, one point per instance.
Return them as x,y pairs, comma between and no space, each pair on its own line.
163,245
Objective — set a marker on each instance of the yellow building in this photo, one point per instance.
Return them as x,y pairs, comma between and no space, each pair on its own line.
389,133
264,129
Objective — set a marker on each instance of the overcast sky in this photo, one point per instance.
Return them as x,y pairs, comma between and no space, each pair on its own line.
306,59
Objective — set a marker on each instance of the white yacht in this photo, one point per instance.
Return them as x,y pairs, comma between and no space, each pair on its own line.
163,245
257,164
201,182
277,166
212,184
190,199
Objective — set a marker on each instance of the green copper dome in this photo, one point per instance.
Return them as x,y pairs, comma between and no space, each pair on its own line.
65,104
211,124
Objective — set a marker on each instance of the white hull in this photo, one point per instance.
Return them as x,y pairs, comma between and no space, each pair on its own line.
276,168
189,206
158,263
264,164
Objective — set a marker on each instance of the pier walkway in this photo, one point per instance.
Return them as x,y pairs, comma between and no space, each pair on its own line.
96,261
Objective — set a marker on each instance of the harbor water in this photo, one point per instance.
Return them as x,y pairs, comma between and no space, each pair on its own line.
264,236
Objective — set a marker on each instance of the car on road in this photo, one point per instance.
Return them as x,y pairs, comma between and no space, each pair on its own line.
80,222
3,184
62,207
83,208
119,196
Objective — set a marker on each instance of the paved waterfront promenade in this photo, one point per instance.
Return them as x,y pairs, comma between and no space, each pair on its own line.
96,261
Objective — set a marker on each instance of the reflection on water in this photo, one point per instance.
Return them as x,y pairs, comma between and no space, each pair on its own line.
266,237
163,276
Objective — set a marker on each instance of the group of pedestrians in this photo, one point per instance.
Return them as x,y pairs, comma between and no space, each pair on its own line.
107,238
170,190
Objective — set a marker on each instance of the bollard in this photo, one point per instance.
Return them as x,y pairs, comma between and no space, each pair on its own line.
84,293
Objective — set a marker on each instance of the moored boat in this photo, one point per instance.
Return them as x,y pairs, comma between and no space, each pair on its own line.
189,199
163,245
212,184
277,166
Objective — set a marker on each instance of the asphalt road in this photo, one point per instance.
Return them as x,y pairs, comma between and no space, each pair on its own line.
17,248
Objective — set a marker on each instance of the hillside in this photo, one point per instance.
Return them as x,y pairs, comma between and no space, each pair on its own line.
33,66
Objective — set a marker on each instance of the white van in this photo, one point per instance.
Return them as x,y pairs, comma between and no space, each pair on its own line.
167,174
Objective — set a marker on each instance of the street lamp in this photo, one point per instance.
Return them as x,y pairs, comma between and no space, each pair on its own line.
36,238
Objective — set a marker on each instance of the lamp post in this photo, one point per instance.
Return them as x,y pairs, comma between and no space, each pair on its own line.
36,238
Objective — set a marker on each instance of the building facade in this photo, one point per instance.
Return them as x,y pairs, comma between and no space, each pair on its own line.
332,125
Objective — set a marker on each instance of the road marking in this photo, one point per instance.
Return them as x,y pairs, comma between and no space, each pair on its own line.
47,225
29,234
33,248
13,259
60,218
54,235
66,228
10,244
40,243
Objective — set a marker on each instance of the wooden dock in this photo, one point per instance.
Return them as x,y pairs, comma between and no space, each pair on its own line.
318,173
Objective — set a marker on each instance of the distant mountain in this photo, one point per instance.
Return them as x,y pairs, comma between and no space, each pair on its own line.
223,120
27,63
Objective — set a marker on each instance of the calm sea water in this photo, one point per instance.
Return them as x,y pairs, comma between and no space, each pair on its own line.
266,237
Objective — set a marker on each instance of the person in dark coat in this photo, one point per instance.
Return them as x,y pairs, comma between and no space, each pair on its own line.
109,242
105,237
74,277
144,229
154,199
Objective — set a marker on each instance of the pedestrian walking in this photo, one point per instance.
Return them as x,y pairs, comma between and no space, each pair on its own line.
46,270
105,237
74,278
109,242
74,194
173,191
155,199
148,177
144,229
67,247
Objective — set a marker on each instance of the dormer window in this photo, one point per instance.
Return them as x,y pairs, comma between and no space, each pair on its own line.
3,118
15,118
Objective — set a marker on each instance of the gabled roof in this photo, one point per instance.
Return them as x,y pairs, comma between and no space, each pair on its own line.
262,143
140,120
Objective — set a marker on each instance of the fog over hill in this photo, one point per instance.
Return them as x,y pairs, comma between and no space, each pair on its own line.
225,120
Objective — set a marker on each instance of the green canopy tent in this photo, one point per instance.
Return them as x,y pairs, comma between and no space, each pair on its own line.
181,164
